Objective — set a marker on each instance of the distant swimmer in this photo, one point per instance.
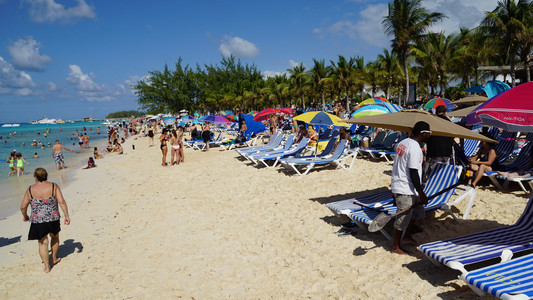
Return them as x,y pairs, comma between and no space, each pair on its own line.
58,155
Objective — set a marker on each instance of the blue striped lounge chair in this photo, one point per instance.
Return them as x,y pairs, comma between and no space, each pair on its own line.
336,158
330,147
512,279
288,144
441,177
273,143
520,162
294,151
459,252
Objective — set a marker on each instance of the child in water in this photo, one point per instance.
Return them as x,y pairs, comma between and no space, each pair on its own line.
20,164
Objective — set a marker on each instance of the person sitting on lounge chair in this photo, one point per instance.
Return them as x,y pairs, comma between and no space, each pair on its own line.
302,133
486,159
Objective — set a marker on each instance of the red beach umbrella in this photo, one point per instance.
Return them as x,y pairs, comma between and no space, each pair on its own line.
265,114
511,110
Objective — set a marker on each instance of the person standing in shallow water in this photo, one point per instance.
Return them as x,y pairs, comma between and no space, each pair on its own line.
45,199
58,155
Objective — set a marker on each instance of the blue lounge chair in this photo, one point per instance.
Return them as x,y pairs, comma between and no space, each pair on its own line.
273,143
520,162
299,148
336,158
327,151
507,280
385,149
286,147
459,252
441,177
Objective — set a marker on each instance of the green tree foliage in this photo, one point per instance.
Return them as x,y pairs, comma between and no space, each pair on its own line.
125,114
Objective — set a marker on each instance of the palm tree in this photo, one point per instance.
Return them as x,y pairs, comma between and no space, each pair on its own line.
407,21
389,63
341,74
320,74
299,80
504,26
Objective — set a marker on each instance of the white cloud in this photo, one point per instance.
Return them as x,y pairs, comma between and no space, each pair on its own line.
13,80
81,81
52,87
50,11
369,28
293,63
267,74
460,13
238,47
26,56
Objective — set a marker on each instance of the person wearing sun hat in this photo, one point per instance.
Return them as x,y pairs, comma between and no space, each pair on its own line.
406,183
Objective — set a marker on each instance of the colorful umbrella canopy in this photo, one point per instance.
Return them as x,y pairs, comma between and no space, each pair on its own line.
227,113
492,88
375,100
169,120
265,114
196,114
187,118
286,110
216,119
406,119
370,110
511,110
232,118
320,118
254,113
436,102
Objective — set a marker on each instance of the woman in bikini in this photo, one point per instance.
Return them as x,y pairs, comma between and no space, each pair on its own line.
174,152
180,143
45,198
163,146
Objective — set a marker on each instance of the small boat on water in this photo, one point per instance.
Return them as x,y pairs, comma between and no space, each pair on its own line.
11,125
47,121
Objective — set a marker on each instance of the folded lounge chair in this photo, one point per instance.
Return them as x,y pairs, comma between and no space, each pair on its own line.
336,158
441,177
507,280
459,252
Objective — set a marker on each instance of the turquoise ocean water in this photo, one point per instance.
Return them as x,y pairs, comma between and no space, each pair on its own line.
12,188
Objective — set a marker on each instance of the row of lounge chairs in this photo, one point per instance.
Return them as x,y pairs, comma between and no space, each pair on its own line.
293,156
507,279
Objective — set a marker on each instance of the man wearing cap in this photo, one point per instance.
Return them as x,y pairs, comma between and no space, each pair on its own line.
439,148
406,183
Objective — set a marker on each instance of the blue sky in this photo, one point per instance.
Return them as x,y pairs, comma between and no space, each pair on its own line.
75,58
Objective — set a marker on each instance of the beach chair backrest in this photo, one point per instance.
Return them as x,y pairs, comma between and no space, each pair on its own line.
353,128
523,159
380,137
471,147
272,139
389,140
335,133
325,134
329,147
360,129
301,146
441,177
340,149
504,148
289,142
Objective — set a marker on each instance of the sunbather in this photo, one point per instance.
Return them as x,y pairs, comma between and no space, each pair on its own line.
485,160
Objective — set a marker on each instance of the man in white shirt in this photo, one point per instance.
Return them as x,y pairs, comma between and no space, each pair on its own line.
407,184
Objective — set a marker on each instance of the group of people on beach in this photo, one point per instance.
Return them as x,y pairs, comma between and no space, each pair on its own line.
175,139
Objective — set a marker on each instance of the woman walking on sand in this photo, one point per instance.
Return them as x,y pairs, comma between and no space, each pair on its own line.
45,198
163,140
180,142
174,152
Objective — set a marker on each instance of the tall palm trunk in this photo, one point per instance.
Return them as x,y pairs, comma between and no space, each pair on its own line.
406,82
323,101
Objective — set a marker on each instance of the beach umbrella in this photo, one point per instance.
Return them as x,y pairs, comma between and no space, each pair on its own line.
253,113
463,112
232,118
370,110
265,114
492,88
169,120
320,118
374,100
511,110
187,118
286,110
406,119
472,99
196,114
436,102
216,119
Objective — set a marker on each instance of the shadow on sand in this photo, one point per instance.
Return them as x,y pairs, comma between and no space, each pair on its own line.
68,247
8,241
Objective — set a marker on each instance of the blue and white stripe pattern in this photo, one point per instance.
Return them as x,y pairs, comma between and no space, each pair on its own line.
441,177
508,280
484,245
340,207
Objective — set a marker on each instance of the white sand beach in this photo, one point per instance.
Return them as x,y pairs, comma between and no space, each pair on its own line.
217,228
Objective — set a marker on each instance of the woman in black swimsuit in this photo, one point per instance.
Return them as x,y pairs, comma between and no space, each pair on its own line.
163,139
485,160
151,135
206,135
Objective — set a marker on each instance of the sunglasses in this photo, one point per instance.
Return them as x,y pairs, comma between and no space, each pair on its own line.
426,131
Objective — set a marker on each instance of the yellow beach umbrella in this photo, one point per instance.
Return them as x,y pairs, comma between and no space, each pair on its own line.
320,118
